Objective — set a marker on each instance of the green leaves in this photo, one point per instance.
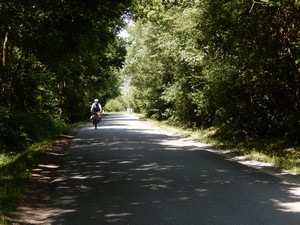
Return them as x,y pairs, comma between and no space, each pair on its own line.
58,34
56,56
232,64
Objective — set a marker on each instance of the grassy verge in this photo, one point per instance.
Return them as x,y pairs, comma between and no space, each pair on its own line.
15,175
278,151
15,171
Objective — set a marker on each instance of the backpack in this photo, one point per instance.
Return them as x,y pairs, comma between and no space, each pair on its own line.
96,107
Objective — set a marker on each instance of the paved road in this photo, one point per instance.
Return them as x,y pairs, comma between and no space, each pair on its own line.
127,172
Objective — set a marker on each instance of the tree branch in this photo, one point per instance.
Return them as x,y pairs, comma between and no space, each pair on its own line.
254,2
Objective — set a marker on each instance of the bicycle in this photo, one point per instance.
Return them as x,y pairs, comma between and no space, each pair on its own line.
96,118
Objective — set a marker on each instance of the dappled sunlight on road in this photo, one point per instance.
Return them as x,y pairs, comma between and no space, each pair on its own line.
289,206
142,177
154,166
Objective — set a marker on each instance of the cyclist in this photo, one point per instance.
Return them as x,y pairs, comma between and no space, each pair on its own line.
96,107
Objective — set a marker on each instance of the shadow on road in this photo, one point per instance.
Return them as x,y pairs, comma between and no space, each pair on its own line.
126,173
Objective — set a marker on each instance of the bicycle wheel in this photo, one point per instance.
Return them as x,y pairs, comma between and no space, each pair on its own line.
95,121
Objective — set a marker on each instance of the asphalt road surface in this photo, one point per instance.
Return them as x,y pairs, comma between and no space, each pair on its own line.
129,173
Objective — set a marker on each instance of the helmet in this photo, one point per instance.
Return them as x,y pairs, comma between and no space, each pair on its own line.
96,100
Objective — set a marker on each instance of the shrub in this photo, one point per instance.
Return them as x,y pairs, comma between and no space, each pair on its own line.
115,105
19,128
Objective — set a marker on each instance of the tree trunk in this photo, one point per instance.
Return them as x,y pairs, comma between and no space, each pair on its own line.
2,68
4,47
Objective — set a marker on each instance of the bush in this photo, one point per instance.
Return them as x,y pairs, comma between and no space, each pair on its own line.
115,105
19,129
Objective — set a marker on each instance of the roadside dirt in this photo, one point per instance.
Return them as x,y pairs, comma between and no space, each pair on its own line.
35,202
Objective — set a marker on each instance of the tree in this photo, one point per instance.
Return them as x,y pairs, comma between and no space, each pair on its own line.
55,57
231,64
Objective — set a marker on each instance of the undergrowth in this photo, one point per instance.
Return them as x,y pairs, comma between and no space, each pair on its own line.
25,136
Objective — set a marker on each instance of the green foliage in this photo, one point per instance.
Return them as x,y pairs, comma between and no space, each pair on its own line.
116,105
23,139
229,64
13,138
162,61
55,57
261,81
15,175
58,55
19,129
